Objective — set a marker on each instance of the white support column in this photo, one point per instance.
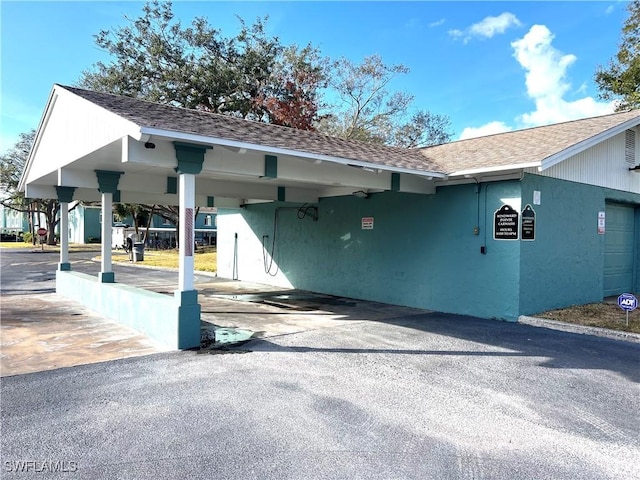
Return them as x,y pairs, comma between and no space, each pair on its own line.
106,267
186,237
64,234
65,195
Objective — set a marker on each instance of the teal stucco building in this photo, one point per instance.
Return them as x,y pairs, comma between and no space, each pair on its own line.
495,227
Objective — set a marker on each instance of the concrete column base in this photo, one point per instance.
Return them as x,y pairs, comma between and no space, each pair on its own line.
107,277
64,267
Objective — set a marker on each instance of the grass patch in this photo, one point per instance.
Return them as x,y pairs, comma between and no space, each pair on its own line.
603,315
73,247
205,259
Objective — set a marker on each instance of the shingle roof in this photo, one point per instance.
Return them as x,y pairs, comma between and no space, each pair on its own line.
175,119
521,146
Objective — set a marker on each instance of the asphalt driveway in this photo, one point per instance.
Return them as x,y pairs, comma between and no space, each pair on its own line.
421,395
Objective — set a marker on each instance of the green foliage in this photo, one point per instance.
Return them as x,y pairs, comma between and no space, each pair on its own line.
369,112
255,76
621,79
28,237
252,75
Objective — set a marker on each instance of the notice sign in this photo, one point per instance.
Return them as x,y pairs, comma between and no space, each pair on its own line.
367,223
528,227
505,223
601,223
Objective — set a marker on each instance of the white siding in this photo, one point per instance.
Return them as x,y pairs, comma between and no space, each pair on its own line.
602,165
74,128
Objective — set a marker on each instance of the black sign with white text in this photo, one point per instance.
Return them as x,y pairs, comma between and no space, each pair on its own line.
505,223
528,223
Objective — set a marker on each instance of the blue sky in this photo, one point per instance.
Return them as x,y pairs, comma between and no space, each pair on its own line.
489,66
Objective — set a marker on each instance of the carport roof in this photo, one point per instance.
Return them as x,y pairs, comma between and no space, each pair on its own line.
539,147
168,118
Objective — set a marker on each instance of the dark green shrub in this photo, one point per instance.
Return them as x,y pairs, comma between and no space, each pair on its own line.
27,237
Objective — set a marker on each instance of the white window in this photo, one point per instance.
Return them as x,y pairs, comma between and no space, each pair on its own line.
207,221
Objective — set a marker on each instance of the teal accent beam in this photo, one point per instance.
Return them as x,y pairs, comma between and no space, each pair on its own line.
281,194
210,201
172,185
271,166
190,157
116,196
108,180
65,194
395,182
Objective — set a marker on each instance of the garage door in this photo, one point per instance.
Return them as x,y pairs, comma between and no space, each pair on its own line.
618,250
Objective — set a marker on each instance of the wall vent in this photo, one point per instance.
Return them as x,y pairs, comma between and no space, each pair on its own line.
630,147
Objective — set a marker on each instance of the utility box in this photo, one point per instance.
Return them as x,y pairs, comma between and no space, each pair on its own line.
138,252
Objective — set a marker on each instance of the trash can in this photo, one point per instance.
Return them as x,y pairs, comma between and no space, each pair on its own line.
138,252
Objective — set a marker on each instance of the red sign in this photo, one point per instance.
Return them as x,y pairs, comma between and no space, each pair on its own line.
42,231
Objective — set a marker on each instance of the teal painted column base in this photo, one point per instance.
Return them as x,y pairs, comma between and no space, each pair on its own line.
64,267
107,277
188,319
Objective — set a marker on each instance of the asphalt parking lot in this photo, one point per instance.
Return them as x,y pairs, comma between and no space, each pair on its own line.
419,395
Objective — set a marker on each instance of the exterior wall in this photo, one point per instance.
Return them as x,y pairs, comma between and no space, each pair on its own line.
564,265
159,316
602,165
13,220
84,223
422,251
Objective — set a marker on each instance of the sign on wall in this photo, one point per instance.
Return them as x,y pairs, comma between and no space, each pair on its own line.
528,227
601,223
505,223
367,223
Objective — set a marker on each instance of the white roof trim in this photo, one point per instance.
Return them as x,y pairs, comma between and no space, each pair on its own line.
585,144
282,151
53,96
500,168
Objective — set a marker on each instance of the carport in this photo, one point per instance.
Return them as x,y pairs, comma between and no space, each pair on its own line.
104,148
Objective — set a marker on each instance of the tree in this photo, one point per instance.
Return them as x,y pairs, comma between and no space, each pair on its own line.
369,112
251,75
12,164
140,214
621,79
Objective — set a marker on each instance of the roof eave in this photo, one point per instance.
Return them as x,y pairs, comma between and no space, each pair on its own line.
53,95
586,144
191,137
499,168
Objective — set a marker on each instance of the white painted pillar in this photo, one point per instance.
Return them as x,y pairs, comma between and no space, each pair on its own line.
106,267
187,194
64,233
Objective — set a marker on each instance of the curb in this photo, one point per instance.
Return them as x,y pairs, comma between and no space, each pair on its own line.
572,328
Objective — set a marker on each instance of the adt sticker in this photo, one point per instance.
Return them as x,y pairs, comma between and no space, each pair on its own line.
627,302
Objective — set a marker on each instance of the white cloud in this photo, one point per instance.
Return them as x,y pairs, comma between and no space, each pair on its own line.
546,70
437,23
488,129
547,85
609,10
488,27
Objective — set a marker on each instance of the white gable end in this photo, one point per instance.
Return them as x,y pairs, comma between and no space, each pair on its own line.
605,165
72,128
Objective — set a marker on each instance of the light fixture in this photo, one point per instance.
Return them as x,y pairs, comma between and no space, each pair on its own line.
635,169
149,145
360,194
